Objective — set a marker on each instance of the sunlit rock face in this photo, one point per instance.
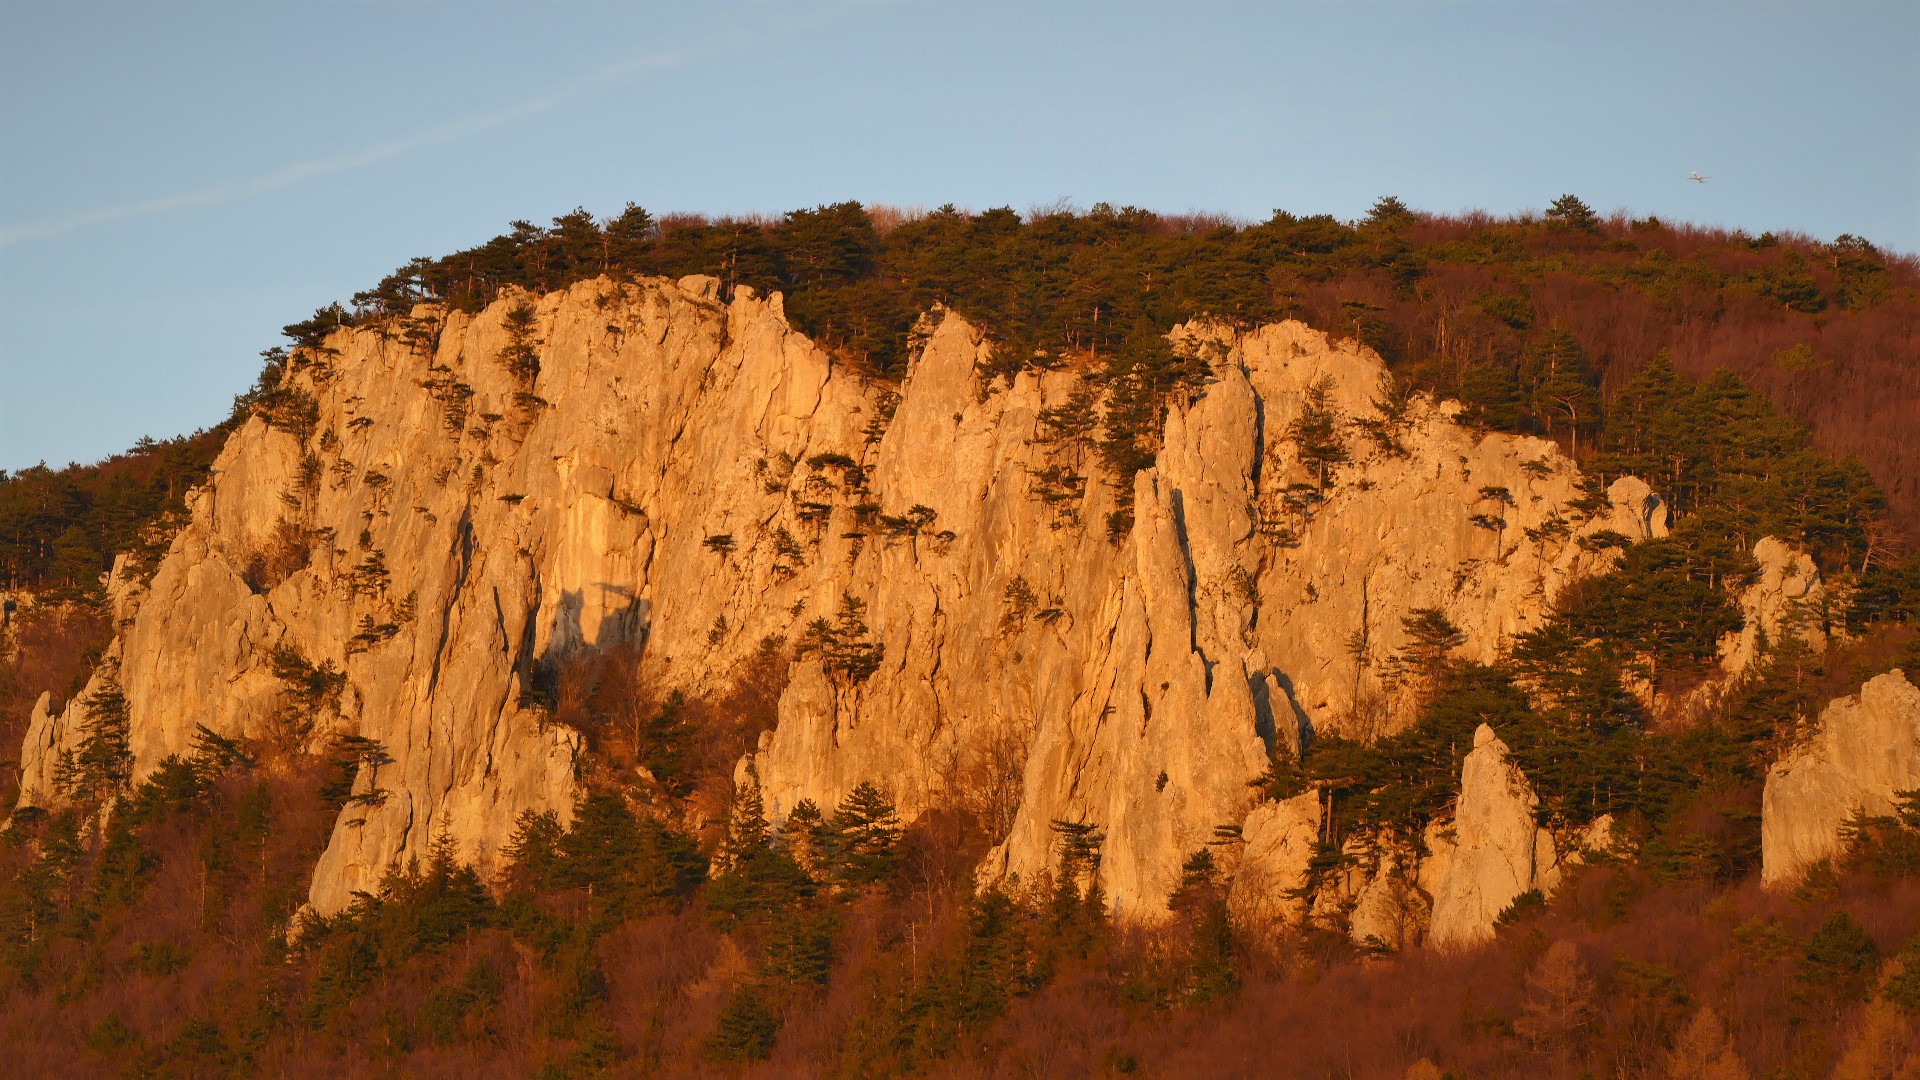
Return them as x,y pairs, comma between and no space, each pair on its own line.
694,476
1495,850
1863,753
1783,600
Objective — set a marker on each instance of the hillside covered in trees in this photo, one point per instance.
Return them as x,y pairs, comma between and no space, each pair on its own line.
1762,386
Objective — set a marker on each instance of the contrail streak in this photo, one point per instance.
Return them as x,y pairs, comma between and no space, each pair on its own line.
602,79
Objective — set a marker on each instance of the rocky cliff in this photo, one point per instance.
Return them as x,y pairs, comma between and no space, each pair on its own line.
444,521
1865,750
1494,850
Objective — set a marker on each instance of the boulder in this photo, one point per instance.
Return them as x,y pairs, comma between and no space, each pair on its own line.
1864,750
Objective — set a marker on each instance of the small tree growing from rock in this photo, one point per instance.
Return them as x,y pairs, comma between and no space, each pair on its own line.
1315,433
102,765
842,644
1431,637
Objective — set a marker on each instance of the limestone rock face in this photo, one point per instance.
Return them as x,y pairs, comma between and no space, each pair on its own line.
1781,601
692,476
1389,909
1866,748
1496,852
1279,838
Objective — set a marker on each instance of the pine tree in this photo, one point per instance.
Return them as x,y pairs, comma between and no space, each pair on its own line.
843,645
746,1030
664,745
807,837
1200,901
102,765
1558,383
1388,212
125,865
1490,397
630,864
1569,211
746,824
1315,432
533,851
1839,960
1076,908
1431,639
798,946
758,878
521,356
868,832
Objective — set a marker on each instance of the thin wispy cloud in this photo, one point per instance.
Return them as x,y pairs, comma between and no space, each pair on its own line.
605,78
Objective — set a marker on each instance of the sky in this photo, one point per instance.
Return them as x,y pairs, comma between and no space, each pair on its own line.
178,180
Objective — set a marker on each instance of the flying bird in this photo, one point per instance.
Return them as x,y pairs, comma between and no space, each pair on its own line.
1697,178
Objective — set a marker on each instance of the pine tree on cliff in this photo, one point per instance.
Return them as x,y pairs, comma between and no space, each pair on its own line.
747,834
1431,638
1315,432
102,765
843,645
521,357
629,237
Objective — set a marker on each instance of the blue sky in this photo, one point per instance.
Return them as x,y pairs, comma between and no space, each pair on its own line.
178,180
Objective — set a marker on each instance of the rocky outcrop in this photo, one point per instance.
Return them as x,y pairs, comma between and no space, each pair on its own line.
1278,841
1783,600
1390,909
1449,889
689,474
1495,852
1865,749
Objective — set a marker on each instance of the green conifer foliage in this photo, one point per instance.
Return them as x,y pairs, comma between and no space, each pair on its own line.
1076,906
866,831
746,1030
102,765
664,745
806,836
1316,433
418,909
521,356
844,647
757,878
630,863
1200,901
1571,212
1839,960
